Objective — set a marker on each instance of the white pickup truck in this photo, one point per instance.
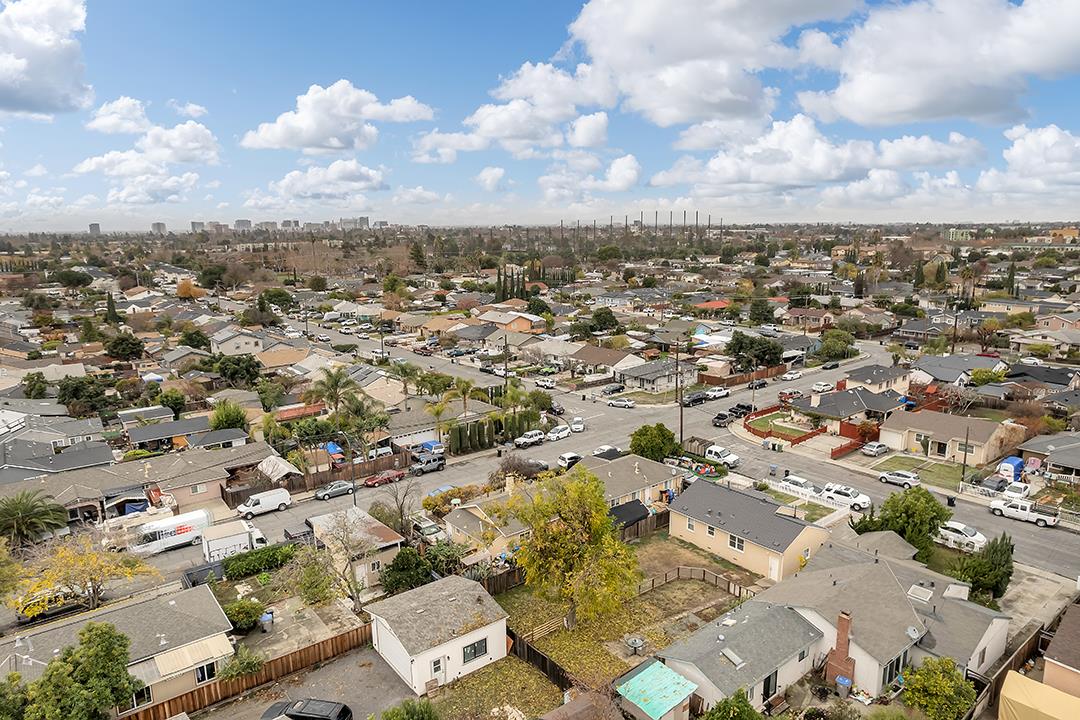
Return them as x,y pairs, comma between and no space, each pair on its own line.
1026,510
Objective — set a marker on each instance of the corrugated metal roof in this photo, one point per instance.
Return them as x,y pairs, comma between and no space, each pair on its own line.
656,689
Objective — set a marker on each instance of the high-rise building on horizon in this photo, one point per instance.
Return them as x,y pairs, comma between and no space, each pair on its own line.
241,225
95,229
157,228
197,226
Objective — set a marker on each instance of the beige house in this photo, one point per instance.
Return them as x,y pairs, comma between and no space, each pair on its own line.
1063,655
179,642
879,378
478,524
632,477
941,436
374,545
746,528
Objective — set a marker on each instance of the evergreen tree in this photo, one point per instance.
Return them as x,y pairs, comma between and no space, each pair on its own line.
1011,282
920,278
111,316
940,275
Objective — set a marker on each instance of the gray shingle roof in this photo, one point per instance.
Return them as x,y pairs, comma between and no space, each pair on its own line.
845,403
160,431
629,473
177,620
436,613
872,374
763,636
746,513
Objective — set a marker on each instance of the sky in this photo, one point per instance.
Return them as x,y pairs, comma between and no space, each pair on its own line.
484,112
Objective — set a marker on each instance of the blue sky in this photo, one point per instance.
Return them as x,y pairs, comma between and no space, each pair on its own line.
127,113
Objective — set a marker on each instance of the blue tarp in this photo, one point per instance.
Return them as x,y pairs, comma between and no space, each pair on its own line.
1011,465
333,448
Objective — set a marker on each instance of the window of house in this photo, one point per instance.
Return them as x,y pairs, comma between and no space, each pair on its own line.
205,673
473,651
921,438
436,666
802,654
893,668
710,530
965,447
690,524
376,565
142,697
735,542
198,489
982,657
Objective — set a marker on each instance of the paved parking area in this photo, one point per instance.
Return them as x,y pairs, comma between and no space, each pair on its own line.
360,679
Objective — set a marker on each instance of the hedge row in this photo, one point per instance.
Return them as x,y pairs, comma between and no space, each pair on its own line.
258,561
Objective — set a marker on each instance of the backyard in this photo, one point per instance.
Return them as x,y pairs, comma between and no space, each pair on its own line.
772,421
510,681
1064,495
939,474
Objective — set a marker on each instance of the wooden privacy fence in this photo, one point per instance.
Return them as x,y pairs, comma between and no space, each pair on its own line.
528,652
693,573
275,669
732,380
495,584
845,449
647,526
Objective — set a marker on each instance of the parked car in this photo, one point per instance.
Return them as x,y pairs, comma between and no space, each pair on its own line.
613,388
530,438
309,709
874,449
338,487
322,337
741,410
1017,491
963,537
621,403
1026,510
384,477
441,489
800,483
791,375
993,483
696,398
427,529
842,493
722,455
904,478
1031,361
717,392
577,425
605,448
455,352
822,387
757,384
831,365
424,350
559,432
546,383
264,502
556,409
427,463
568,460
789,395
722,420
532,466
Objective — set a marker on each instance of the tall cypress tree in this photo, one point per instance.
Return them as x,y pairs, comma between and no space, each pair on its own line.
920,278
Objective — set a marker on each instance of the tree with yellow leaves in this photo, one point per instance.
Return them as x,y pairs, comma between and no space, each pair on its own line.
74,566
187,290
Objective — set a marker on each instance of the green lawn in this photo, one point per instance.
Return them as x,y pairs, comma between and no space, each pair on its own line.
510,681
943,475
780,497
989,414
772,422
813,511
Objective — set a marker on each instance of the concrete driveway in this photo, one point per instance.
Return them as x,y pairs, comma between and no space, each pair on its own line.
360,679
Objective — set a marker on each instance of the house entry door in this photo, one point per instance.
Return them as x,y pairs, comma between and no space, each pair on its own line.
768,688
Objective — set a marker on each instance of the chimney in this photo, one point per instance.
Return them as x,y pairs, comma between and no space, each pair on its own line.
815,399
839,661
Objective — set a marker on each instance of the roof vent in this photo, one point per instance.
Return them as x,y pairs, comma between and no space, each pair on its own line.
733,658
917,592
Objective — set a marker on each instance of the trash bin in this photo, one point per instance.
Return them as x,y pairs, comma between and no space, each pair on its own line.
498,452
772,470
267,620
843,686
950,501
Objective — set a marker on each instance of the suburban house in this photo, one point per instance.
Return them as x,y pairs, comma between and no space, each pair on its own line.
1062,656
853,406
595,360
813,319
439,632
746,528
171,435
179,642
878,614
759,647
1062,342
879,378
476,523
653,691
514,321
659,376
377,545
217,439
632,477
952,369
234,341
941,436
1058,321
1040,381
141,416
178,357
1057,456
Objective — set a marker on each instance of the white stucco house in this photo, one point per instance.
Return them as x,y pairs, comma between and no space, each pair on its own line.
438,632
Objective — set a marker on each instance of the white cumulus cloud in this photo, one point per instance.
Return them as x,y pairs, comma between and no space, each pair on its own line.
491,178
188,109
41,65
122,115
588,130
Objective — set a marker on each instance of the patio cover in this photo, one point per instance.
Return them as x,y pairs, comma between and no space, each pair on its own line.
1025,699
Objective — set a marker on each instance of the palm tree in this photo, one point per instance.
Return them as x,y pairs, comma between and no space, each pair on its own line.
437,410
463,390
407,373
26,515
272,430
334,386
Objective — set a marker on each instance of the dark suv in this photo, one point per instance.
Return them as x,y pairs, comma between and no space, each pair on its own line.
757,384
697,398
308,709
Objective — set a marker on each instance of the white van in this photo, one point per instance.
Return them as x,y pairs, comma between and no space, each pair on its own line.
375,453
264,502
160,535
722,455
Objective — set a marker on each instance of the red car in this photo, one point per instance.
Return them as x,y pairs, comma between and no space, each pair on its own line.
384,477
789,395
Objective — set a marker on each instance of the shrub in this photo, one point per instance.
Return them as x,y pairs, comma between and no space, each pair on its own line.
245,662
257,561
421,709
244,614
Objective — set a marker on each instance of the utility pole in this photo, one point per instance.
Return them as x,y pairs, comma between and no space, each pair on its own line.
561,238
678,390
670,224
684,226
696,230
955,321
963,470
506,359
656,224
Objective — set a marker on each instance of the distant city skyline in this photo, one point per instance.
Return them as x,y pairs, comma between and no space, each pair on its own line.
126,114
